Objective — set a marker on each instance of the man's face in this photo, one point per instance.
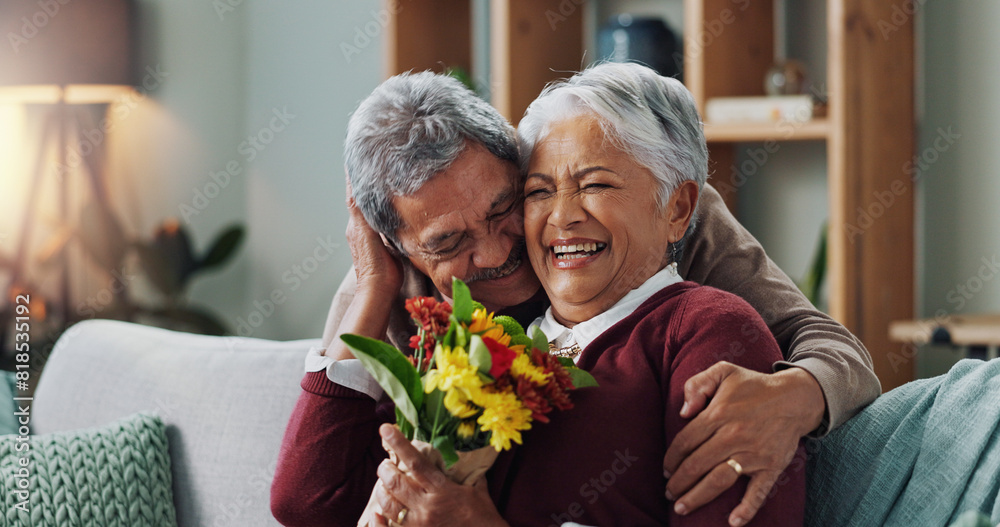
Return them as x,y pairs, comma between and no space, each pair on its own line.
467,222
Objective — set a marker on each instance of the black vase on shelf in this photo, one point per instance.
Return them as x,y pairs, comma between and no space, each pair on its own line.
627,38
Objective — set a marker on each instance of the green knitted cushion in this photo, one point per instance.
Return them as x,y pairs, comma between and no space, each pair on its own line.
8,421
113,475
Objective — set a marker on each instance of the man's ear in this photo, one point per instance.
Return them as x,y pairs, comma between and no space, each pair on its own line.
389,246
680,209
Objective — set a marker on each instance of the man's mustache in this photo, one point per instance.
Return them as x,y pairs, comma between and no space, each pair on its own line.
513,262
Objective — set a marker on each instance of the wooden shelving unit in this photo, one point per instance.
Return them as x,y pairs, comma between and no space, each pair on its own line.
869,131
814,130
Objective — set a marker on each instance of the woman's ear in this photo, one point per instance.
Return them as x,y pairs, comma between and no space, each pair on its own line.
681,207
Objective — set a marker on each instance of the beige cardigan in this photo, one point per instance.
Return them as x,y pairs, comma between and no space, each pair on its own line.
722,254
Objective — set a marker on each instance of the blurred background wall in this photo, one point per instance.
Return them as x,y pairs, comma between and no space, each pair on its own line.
228,72
260,91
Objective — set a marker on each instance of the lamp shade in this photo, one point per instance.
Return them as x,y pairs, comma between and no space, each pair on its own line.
66,42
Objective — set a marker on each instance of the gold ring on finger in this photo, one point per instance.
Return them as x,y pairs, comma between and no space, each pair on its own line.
736,466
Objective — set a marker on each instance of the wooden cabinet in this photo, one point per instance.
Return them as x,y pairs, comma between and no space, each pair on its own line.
869,130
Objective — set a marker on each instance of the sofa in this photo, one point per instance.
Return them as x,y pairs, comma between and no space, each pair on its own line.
225,402
927,453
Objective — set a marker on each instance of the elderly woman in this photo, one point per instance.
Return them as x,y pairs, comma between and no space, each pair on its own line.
614,161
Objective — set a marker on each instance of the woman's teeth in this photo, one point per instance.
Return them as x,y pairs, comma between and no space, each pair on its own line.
580,250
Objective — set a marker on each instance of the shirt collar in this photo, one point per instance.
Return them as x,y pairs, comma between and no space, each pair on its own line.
585,332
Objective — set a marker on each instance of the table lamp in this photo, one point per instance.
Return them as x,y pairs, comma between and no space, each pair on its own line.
62,54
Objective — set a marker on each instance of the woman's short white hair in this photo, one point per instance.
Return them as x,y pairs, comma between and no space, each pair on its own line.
651,118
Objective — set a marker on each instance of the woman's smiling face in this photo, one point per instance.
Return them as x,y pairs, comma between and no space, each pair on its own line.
593,226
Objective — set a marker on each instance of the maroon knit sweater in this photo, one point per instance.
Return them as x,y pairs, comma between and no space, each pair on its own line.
597,464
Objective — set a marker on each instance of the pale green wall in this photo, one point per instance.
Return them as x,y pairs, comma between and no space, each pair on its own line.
960,192
295,190
229,71
186,127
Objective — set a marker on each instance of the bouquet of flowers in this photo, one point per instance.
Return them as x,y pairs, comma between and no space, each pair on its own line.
474,382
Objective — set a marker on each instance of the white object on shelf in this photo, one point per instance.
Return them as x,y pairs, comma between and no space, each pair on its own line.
786,108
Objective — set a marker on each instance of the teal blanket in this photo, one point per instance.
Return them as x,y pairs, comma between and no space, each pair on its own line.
922,454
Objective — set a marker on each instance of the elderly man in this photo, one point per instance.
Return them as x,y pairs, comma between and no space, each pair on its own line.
436,194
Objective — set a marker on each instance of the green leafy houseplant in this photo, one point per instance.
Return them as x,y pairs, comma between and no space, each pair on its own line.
812,284
167,260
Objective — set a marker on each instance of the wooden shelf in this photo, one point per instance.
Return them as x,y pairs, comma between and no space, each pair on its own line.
814,130
728,48
959,330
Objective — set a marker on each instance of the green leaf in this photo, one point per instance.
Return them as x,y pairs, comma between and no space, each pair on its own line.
462,75
392,371
404,426
539,340
812,284
581,378
479,355
459,335
438,416
446,446
510,326
521,340
222,248
476,306
461,299
160,273
172,240
566,362
449,338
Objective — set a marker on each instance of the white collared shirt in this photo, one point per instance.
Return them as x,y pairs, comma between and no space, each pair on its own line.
585,332
346,372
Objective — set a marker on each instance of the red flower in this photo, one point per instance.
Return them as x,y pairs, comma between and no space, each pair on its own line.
428,344
527,392
429,314
431,318
502,357
413,362
556,391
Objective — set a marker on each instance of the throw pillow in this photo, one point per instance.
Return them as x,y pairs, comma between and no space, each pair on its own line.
8,421
116,474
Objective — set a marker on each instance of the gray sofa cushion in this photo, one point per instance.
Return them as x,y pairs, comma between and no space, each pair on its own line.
225,401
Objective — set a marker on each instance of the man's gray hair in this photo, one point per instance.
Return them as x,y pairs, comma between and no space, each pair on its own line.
413,126
651,118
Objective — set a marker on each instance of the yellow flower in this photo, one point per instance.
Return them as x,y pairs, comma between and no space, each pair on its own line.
496,333
505,417
523,367
466,429
457,403
452,371
483,325
481,321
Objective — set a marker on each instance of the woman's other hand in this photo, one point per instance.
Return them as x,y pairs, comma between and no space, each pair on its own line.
428,496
